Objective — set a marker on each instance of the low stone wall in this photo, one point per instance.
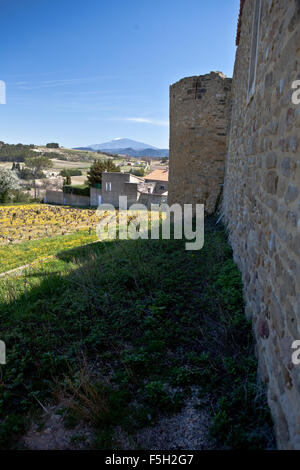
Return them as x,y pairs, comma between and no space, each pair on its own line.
59,197
149,198
77,200
54,197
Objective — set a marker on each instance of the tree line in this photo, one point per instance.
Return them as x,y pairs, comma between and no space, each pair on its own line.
16,153
19,152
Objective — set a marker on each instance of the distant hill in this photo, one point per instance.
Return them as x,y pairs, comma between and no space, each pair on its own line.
118,143
86,149
128,147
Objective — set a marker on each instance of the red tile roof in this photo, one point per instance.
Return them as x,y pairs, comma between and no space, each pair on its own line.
158,175
238,34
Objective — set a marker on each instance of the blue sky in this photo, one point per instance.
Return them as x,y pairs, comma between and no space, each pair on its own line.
82,72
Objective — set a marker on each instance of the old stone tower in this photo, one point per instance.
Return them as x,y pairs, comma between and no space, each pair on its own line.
199,109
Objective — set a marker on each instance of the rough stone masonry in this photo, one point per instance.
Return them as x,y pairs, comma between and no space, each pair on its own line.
199,109
261,200
262,196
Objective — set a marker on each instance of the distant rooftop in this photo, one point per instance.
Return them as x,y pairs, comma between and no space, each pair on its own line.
158,175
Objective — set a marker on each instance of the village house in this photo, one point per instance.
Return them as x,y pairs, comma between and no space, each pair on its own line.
116,184
161,180
150,190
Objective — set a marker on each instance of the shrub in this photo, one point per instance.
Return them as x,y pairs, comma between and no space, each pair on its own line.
52,145
80,190
70,172
137,171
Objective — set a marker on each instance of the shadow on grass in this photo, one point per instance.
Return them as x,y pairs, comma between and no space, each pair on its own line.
155,319
80,253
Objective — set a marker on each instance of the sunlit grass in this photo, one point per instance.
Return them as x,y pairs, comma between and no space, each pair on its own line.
19,254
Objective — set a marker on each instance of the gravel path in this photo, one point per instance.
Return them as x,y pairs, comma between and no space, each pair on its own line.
187,430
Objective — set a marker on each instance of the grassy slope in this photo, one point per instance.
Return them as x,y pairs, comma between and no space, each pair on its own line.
19,254
155,320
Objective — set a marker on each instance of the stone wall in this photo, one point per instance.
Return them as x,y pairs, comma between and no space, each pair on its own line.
199,108
76,200
262,204
54,197
152,198
59,197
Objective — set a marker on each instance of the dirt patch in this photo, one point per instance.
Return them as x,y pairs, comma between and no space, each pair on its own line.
187,430
50,433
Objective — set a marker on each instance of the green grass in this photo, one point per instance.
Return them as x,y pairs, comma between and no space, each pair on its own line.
19,254
125,329
25,203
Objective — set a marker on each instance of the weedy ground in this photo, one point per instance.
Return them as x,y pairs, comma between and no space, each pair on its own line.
123,331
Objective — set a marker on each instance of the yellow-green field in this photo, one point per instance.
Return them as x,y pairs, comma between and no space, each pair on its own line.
31,233
20,254
34,232
20,223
